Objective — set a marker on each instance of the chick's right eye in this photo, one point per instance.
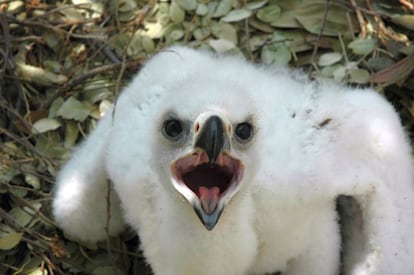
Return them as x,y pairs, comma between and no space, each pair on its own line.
172,129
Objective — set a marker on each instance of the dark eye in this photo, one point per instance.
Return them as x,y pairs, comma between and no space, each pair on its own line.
244,131
172,129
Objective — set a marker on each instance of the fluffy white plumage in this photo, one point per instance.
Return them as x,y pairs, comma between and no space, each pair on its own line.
312,142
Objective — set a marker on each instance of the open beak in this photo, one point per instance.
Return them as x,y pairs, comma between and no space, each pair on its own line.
208,177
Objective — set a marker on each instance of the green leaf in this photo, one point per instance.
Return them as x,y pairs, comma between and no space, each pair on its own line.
256,5
73,109
362,46
126,5
279,54
223,8
188,5
311,13
71,134
359,76
177,14
269,14
329,59
237,15
225,31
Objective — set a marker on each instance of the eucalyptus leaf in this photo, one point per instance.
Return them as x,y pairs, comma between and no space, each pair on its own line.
261,26
56,104
188,5
237,15
126,5
359,76
362,46
269,13
225,31
223,8
148,44
71,134
73,109
177,14
33,181
404,20
339,16
221,45
15,7
328,71
279,54
327,59
20,216
201,9
256,4
10,240
46,124
39,75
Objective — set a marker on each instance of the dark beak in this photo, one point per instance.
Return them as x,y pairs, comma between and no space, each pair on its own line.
212,138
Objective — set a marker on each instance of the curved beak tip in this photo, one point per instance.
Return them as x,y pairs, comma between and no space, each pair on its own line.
212,138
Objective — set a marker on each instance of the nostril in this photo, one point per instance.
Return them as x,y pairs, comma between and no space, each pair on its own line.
196,127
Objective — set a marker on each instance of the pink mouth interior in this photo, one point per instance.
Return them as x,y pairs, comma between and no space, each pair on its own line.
208,181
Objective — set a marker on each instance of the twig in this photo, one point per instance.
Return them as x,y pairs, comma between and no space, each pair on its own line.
6,38
99,70
408,4
360,18
55,29
318,38
247,34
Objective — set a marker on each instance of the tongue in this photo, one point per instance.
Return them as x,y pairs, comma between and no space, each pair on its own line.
209,198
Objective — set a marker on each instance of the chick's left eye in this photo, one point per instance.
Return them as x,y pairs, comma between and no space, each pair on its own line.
172,128
244,131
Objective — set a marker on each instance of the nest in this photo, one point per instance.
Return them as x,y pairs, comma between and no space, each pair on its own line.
63,63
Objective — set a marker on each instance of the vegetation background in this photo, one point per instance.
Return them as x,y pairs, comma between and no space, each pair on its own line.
62,64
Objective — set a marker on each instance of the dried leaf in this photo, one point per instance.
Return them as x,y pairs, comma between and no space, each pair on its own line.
15,7
46,124
405,20
39,271
33,181
39,75
400,70
10,240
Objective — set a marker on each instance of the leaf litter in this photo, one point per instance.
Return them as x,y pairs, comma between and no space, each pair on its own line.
63,63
